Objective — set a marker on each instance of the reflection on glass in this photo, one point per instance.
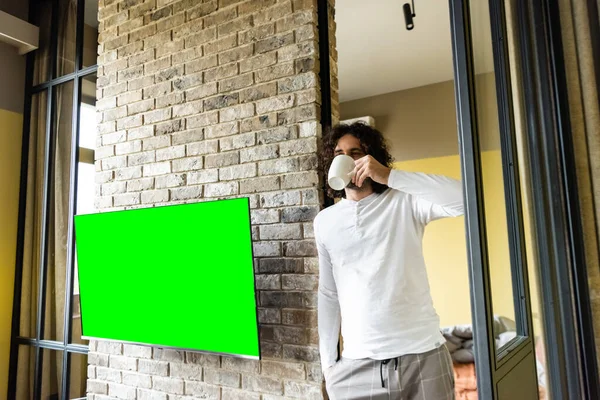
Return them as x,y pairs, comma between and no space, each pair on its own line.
33,216
25,372
78,378
58,221
493,179
533,266
52,369
85,184
67,31
90,33
41,19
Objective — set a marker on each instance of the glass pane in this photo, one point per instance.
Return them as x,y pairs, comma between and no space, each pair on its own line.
493,179
52,368
42,18
67,29
533,266
25,372
90,33
78,378
33,218
85,183
58,212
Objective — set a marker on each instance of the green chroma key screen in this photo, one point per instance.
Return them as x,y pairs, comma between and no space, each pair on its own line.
174,276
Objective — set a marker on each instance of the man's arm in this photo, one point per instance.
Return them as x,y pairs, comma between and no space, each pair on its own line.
328,311
434,196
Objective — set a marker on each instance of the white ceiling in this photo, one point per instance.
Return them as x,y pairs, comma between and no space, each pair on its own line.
376,54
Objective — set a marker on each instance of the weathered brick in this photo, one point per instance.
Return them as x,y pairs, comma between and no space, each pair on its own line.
202,64
201,92
264,216
113,188
300,248
299,282
256,185
122,391
130,122
97,387
220,130
258,33
187,164
122,362
259,153
299,214
299,317
204,147
201,390
170,23
300,180
152,367
204,36
221,159
287,370
301,353
181,56
189,108
206,360
170,153
274,42
169,181
237,141
297,82
268,282
169,385
236,112
235,26
128,173
262,384
298,114
267,249
258,92
279,134
137,185
235,83
236,394
258,123
171,126
202,120
221,189
269,315
137,380
222,377
188,81
237,172
274,72
157,169
204,176
186,193
156,142
258,62
109,347
302,390
278,166
98,359
280,265
281,231
280,199
168,355
145,157
108,374
202,10
298,50
274,103
186,371
221,101
169,100
114,162
140,107
144,394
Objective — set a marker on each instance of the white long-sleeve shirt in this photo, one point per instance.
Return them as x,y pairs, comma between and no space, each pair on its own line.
373,280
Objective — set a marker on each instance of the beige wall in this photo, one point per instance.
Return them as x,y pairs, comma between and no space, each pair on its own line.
421,122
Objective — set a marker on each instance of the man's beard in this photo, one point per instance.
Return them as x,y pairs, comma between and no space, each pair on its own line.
366,185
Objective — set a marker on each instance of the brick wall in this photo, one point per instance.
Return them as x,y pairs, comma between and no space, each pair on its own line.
208,100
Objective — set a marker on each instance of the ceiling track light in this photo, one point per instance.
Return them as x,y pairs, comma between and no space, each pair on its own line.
409,15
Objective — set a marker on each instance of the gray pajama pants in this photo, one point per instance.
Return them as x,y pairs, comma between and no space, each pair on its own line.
426,376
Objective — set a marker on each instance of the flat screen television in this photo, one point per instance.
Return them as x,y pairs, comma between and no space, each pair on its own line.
177,276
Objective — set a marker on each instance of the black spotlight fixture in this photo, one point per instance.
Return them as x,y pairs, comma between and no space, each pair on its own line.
409,15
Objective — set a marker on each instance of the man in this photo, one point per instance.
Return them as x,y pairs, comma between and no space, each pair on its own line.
373,280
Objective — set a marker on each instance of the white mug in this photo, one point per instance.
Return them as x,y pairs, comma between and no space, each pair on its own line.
340,172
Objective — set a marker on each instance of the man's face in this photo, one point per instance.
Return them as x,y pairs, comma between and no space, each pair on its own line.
350,146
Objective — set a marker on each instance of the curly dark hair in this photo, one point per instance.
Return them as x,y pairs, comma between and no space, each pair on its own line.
372,142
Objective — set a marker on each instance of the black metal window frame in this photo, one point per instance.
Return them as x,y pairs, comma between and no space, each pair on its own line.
38,343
